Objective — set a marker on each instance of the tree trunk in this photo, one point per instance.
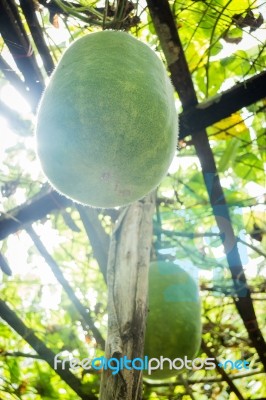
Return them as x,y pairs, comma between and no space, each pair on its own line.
127,277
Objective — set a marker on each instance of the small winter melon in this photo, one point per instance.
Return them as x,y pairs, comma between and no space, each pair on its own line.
174,319
107,125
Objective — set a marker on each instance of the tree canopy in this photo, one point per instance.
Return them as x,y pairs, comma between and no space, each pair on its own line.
209,211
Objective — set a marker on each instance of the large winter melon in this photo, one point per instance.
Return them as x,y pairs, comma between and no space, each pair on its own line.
174,318
107,124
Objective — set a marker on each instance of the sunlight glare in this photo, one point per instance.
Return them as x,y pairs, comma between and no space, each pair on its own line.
13,99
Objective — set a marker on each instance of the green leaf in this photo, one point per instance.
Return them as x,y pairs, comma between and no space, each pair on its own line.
216,48
229,155
14,370
248,167
239,62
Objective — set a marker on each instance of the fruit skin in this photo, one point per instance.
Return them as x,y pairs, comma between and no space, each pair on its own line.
174,319
107,125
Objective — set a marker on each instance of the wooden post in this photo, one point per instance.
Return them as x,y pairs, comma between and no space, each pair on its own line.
127,278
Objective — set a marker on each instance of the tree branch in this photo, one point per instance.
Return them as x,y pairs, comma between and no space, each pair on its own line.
4,266
222,372
28,8
16,39
254,248
45,353
200,116
208,379
34,209
20,354
84,312
97,236
165,27
189,235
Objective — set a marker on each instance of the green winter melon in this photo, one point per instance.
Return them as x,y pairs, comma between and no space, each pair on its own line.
174,319
107,125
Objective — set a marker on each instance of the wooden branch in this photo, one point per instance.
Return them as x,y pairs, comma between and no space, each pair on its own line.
189,235
28,8
34,209
45,353
98,238
207,379
127,276
222,372
165,27
188,389
16,39
254,248
67,363
48,202
84,312
4,266
20,354
200,116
